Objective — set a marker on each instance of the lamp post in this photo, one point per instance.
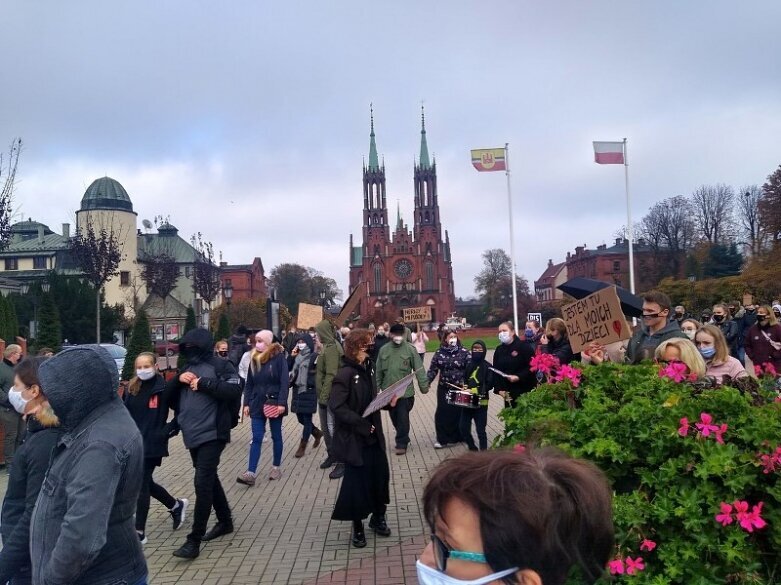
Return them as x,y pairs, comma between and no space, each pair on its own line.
227,292
322,298
25,288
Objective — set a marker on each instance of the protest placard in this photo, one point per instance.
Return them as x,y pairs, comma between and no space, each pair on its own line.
595,318
417,314
308,316
348,312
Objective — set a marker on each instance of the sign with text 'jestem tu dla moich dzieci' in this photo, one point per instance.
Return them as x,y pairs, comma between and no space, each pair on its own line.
597,318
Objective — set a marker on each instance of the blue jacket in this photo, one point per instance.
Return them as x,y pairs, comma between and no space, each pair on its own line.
269,383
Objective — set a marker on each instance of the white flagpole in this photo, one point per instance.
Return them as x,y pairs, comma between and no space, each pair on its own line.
512,233
629,228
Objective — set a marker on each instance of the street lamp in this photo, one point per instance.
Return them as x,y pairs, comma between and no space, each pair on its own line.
25,288
227,292
322,298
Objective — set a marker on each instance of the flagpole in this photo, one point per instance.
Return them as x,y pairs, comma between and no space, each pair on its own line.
629,229
512,233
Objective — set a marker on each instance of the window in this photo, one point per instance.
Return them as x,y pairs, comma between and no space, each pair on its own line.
429,276
616,266
188,271
124,278
11,264
378,278
39,262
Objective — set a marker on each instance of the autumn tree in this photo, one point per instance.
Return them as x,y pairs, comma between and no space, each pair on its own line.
97,252
496,267
160,272
296,284
770,207
206,272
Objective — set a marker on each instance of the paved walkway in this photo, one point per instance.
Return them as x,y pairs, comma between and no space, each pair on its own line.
284,534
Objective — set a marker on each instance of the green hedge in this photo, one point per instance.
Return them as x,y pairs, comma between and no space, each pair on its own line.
669,488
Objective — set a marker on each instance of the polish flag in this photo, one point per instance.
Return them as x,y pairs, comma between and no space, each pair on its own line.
609,153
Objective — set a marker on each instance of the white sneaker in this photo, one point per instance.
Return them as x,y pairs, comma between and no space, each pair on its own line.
438,445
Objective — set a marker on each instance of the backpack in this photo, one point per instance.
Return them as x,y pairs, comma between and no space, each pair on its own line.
234,404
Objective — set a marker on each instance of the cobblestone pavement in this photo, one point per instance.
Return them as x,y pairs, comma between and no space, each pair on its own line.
284,533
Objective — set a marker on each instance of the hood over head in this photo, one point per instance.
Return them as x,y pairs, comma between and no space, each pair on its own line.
306,338
326,332
78,380
479,342
196,345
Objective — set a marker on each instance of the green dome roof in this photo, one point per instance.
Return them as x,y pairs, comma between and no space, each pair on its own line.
106,193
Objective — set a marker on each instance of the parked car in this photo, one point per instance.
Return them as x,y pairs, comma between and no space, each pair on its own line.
118,353
166,348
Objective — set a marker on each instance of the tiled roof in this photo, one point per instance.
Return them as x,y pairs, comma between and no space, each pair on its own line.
51,243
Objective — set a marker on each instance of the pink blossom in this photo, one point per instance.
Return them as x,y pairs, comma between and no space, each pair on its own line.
719,432
675,371
616,566
634,565
567,372
704,426
770,369
751,520
758,370
683,430
648,545
520,448
777,399
726,514
768,461
544,363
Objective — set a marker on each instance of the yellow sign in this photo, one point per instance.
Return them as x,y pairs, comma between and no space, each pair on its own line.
597,318
417,314
308,316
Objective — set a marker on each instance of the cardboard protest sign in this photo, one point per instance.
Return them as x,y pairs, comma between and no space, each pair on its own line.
417,314
595,318
351,304
308,316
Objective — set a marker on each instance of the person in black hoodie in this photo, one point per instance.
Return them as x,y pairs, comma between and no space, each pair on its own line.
513,358
556,342
148,402
479,380
27,471
237,345
206,397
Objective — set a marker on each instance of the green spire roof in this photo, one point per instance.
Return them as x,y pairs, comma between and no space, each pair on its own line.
398,214
424,159
374,163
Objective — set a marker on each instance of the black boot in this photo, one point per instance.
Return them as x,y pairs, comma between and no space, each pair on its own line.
337,471
219,529
379,525
359,536
327,463
189,550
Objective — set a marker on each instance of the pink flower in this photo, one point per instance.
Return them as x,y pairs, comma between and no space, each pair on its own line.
777,399
567,372
757,370
648,545
675,371
545,363
704,426
726,514
751,520
634,565
683,430
616,567
770,369
520,448
719,432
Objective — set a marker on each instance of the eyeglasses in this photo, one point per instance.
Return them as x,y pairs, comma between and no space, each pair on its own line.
442,552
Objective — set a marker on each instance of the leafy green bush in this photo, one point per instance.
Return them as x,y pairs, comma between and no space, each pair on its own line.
671,476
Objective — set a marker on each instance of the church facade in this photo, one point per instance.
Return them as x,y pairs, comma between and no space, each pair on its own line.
401,268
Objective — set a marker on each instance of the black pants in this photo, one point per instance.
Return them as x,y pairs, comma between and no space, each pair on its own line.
208,489
400,418
150,489
480,416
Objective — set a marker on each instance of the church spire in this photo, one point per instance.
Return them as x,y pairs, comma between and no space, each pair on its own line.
399,224
424,159
374,164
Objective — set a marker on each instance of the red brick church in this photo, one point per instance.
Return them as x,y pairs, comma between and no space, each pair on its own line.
402,269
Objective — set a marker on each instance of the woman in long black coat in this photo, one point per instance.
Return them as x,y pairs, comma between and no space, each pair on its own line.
359,442
450,363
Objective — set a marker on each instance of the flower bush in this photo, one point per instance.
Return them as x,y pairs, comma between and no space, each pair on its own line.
695,469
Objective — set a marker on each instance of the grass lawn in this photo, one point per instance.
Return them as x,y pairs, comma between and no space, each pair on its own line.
490,343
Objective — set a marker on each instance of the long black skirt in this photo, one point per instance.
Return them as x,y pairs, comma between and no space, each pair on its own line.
364,489
447,418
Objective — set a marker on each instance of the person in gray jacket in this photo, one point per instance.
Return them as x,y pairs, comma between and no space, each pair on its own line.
655,329
82,529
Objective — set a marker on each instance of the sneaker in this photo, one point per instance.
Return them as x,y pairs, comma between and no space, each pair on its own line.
189,550
179,512
438,445
246,478
275,473
142,537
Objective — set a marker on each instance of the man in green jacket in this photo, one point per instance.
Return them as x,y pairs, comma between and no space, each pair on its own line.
396,360
328,363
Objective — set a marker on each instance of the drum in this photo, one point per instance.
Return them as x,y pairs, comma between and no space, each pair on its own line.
462,398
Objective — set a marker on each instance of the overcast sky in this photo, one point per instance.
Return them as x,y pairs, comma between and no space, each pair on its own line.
248,121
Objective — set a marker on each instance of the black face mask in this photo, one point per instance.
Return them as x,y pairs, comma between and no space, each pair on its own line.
750,310
222,353
718,318
478,356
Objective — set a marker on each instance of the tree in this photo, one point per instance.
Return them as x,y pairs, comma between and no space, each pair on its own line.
747,212
206,273
496,267
322,289
97,252
49,332
140,341
712,205
7,184
6,327
248,312
223,327
770,207
668,228
722,261
298,284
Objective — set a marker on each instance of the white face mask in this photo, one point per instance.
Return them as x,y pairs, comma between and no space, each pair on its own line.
146,374
505,337
16,399
690,333
452,342
430,576
301,346
398,339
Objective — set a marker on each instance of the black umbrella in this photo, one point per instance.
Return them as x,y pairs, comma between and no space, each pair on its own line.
580,287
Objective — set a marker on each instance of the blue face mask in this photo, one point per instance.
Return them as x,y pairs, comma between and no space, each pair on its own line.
529,333
707,352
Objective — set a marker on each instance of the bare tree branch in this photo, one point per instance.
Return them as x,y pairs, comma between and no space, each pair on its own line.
8,182
712,206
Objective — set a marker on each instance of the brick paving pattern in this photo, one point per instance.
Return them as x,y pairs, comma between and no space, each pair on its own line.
284,533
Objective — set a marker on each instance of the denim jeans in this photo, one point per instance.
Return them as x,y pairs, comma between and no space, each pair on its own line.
306,422
258,430
208,489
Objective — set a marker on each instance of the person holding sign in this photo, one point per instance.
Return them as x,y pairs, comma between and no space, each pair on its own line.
359,442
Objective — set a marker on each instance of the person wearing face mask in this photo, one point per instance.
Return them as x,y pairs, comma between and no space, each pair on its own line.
26,474
533,333
13,425
723,320
396,360
148,401
302,364
654,329
479,381
763,340
206,397
689,328
328,363
777,311
449,362
380,339
556,341
221,349
526,518
419,339
681,351
712,346
680,314
513,357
